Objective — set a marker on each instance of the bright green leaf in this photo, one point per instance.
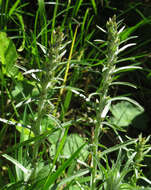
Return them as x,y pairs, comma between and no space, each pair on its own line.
8,55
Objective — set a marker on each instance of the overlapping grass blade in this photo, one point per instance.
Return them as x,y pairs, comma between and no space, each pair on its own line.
53,176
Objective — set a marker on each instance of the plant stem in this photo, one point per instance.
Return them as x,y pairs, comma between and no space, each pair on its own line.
48,82
107,77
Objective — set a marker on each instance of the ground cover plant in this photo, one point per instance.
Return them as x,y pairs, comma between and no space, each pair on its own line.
74,95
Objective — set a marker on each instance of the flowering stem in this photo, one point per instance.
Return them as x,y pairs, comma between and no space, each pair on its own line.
107,77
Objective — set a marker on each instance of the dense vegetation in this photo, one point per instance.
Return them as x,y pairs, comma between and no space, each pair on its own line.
75,92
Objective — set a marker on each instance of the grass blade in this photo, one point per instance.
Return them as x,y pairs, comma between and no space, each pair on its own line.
16,163
52,177
117,147
13,8
94,6
72,177
77,7
54,20
60,147
43,21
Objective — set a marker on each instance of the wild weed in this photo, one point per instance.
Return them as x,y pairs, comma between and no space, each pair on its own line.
40,81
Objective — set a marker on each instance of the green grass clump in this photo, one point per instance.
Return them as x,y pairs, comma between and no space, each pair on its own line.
65,115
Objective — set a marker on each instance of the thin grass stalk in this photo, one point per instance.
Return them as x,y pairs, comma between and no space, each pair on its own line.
43,21
70,56
67,70
54,21
107,77
66,15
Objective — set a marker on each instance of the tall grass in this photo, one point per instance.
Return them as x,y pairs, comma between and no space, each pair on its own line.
45,143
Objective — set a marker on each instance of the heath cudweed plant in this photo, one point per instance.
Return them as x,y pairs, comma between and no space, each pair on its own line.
108,76
49,79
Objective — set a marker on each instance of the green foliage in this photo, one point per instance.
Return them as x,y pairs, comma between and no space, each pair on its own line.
52,177
60,125
73,142
130,30
8,55
124,113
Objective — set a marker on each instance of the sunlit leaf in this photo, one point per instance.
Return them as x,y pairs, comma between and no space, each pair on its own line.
8,55
124,113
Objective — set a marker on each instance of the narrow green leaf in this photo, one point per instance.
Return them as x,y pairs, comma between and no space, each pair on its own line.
77,7
43,22
129,100
126,68
52,177
127,32
60,147
20,18
126,59
13,8
145,179
125,84
66,14
125,47
16,163
83,24
54,20
117,147
73,177
94,6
